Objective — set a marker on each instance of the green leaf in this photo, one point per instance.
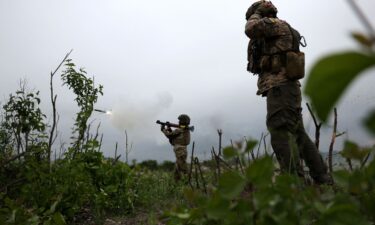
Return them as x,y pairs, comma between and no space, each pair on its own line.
183,215
53,206
34,220
12,218
342,178
343,214
229,152
370,122
58,219
193,196
260,171
231,184
331,75
353,151
217,207
250,145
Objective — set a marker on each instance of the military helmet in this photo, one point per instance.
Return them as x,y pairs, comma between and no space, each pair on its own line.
184,119
266,7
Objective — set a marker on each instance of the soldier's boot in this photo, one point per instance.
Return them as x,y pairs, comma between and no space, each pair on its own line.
317,168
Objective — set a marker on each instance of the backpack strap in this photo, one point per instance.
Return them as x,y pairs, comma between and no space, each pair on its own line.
296,39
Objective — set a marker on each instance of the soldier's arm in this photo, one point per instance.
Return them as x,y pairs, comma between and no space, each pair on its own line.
172,134
255,27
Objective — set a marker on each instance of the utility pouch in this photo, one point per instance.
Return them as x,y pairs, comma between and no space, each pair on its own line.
254,54
265,63
252,65
276,63
295,65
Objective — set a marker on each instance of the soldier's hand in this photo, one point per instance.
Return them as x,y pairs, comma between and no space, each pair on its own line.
264,9
162,128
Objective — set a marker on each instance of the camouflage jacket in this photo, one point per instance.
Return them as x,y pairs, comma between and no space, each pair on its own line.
276,38
179,136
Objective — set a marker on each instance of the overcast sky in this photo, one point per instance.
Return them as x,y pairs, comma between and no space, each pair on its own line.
158,59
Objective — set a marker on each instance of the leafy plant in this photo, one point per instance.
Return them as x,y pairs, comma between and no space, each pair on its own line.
331,75
35,191
86,96
23,119
258,197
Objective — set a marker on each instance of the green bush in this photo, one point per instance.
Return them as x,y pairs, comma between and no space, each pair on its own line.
149,164
258,197
167,166
35,191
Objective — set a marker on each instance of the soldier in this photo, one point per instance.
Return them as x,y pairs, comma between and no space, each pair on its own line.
179,139
274,55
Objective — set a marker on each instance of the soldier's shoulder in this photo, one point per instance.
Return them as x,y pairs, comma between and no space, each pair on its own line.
270,20
274,21
178,130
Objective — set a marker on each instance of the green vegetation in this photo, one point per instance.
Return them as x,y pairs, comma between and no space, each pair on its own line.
36,191
235,188
258,195
82,186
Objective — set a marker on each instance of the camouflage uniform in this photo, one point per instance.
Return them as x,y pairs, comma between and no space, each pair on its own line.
284,118
179,138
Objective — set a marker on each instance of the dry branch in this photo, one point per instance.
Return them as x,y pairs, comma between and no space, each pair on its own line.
220,133
54,114
363,18
127,148
260,142
196,162
191,166
317,126
330,152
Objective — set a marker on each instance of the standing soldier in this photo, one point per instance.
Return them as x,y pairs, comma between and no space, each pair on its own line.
179,139
274,55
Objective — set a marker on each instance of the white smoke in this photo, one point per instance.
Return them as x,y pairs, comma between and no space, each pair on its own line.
138,116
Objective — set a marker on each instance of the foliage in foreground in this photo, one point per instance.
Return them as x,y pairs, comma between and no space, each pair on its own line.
87,183
334,73
257,196
81,184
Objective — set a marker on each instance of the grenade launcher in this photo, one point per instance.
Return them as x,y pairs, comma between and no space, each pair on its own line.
168,124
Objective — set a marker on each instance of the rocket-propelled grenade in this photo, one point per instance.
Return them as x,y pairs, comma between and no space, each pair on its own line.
169,124
98,110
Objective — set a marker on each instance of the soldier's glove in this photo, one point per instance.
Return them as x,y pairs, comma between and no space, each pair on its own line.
265,9
252,9
162,128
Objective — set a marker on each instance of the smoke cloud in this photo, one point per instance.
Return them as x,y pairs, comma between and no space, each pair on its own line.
138,116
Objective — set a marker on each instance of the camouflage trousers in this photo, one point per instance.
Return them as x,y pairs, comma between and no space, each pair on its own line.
181,167
288,136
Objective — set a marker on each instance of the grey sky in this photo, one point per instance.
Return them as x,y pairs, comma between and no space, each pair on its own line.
158,59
